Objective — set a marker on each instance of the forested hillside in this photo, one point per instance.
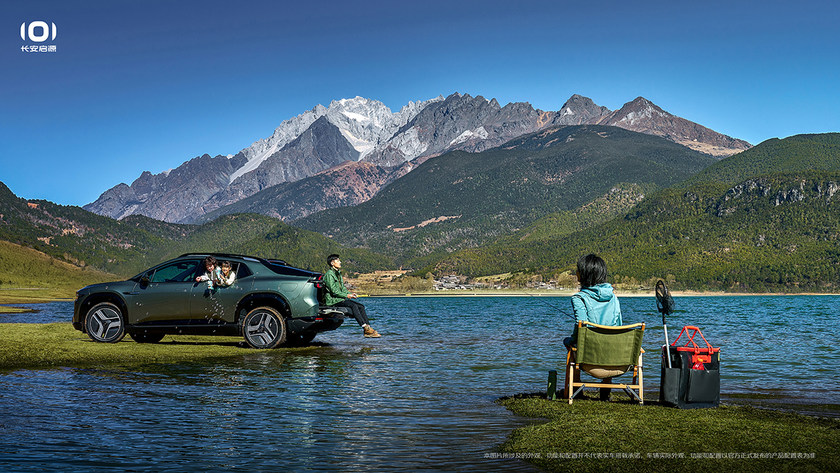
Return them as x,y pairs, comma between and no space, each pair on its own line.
773,231
86,240
463,200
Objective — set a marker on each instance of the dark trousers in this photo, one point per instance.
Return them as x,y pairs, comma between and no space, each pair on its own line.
358,310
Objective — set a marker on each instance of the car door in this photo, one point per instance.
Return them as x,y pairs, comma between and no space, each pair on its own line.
218,305
166,297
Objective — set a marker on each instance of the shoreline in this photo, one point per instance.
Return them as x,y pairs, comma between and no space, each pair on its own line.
515,293
8,303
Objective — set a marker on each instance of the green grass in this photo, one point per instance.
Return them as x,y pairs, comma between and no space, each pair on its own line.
647,433
13,310
39,346
32,276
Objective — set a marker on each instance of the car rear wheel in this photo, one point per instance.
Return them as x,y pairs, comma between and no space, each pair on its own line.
263,327
146,337
105,323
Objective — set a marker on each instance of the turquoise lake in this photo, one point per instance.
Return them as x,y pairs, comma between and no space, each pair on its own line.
421,397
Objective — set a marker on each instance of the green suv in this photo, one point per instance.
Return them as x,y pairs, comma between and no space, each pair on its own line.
270,304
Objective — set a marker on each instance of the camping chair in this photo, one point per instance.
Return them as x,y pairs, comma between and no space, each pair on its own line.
605,352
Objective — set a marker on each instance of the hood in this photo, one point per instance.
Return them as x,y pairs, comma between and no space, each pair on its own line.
600,292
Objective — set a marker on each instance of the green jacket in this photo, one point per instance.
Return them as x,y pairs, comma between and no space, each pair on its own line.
334,283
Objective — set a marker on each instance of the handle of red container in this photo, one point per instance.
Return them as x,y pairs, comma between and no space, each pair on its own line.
691,337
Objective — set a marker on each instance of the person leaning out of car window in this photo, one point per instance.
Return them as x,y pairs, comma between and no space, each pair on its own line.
337,295
212,272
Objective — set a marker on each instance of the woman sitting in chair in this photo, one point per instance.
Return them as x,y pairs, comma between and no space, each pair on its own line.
595,302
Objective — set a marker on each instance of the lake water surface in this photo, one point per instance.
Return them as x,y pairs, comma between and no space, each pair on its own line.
421,397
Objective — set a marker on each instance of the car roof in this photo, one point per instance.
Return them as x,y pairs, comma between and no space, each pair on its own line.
226,255
265,261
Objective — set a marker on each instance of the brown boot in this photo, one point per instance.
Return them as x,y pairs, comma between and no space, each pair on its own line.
370,332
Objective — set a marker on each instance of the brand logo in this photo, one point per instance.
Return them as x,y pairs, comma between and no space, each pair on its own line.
38,32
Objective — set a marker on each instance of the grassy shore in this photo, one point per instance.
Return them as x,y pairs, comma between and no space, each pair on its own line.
622,436
39,346
566,293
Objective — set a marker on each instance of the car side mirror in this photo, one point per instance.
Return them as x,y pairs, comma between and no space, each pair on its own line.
144,281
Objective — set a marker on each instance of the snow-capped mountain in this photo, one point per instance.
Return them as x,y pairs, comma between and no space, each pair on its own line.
360,129
302,146
255,154
459,122
364,123
367,124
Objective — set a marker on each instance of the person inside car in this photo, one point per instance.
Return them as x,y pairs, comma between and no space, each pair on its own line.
212,272
337,295
226,275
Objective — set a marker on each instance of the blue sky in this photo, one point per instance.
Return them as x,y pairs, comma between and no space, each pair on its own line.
147,85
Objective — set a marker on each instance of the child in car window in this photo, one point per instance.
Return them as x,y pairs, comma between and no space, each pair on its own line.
212,272
226,275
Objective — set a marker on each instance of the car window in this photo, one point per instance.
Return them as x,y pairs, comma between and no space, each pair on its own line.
242,271
179,271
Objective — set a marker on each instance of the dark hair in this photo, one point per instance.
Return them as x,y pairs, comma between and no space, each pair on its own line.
331,258
591,270
210,260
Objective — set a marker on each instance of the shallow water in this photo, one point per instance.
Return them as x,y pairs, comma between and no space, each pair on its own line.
421,397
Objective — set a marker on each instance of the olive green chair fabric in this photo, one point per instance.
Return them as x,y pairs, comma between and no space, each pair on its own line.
606,352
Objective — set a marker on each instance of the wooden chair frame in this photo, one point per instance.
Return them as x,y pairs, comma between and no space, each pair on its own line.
573,369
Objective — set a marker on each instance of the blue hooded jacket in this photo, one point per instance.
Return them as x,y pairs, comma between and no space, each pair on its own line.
597,304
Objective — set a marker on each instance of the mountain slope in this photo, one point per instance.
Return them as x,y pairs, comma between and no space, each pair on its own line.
461,199
171,196
793,154
734,226
347,184
643,116
320,147
28,273
72,234
258,235
89,241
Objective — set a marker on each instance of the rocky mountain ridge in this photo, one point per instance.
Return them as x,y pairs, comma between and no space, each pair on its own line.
643,116
363,130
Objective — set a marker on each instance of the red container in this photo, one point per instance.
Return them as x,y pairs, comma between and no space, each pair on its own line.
700,355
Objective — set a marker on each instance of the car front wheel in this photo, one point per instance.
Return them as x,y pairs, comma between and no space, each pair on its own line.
263,327
105,323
